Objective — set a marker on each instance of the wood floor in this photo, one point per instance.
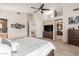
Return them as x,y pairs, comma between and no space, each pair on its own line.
64,49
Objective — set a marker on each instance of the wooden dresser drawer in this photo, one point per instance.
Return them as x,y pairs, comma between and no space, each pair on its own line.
73,37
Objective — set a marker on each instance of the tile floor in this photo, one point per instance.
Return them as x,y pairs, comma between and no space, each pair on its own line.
64,49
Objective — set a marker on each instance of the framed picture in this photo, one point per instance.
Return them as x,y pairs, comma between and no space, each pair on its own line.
74,20
71,20
12,25
59,26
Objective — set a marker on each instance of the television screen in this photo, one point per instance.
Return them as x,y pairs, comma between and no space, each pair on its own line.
48,28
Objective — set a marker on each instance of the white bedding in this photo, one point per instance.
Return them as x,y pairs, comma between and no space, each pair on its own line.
33,47
4,50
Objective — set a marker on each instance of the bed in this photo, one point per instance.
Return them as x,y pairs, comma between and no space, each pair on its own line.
33,47
4,50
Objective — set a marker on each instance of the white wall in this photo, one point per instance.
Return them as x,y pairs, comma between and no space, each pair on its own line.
67,12
12,18
38,18
30,19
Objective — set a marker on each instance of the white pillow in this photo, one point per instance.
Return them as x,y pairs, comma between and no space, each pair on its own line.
14,47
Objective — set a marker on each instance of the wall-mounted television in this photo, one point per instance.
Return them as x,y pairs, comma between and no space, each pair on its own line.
48,28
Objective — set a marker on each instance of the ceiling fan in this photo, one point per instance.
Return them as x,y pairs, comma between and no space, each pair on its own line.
41,9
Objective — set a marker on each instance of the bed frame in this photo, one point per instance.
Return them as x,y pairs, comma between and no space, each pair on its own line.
51,53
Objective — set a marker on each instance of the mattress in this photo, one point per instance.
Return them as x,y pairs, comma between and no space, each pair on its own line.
33,47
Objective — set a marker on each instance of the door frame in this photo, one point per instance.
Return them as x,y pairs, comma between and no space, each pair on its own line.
55,28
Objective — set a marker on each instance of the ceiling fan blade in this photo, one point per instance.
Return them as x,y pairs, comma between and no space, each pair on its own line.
34,8
75,9
42,6
45,9
36,11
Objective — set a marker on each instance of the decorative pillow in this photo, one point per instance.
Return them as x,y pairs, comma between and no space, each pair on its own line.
5,41
11,44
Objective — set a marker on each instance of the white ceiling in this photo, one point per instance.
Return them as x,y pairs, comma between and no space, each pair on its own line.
26,7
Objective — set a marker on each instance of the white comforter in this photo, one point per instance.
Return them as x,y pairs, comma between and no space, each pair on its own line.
5,50
33,47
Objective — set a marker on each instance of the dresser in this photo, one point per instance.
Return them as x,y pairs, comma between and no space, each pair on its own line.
48,35
73,37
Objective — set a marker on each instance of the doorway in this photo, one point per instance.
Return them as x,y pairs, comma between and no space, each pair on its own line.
58,29
3,28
